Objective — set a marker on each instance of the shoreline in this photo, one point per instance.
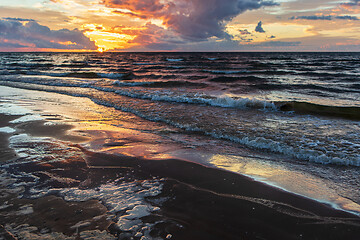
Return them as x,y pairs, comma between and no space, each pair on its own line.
263,211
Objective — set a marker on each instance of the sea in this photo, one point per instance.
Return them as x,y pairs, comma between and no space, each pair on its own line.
290,120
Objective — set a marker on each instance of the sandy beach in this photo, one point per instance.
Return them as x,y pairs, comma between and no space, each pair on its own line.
54,184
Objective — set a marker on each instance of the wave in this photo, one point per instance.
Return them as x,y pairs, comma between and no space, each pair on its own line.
256,142
86,75
74,65
227,71
175,59
251,79
283,148
273,72
96,75
146,63
305,72
160,84
30,65
352,113
221,101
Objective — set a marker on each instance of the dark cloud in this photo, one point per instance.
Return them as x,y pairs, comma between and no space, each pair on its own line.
325,17
259,28
347,17
32,34
246,39
129,14
19,19
244,32
272,37
313,17
194,20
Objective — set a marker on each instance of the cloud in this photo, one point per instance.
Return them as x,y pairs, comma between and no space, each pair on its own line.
277,44
326,17
246,39
194,20
259,28
4,43
154,37
347,17
17,33
351,3
314,17
19,19
244,32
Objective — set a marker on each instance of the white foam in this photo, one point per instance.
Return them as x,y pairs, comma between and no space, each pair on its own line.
176,67
20,138
128,197
7,130
122,83
174,59
138,211
27,118
12,109
25,210
111,75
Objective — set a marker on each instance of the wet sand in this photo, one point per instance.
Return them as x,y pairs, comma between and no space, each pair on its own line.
216,204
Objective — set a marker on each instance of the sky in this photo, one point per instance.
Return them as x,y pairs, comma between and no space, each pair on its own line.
179,25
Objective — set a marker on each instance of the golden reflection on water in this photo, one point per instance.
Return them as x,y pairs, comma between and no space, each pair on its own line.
297,182
106,129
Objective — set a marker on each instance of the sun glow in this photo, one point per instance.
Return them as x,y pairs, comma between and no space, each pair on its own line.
105,39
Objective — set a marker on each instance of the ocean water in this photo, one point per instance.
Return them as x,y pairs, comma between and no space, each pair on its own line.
303,105
295,111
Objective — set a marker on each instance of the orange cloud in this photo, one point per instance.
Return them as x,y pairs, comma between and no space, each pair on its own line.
195,20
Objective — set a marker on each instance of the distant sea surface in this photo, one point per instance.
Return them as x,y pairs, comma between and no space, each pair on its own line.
302,107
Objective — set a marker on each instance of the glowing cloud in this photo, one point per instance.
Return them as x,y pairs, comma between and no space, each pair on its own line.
105,38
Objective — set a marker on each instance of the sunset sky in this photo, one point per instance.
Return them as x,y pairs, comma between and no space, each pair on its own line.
179,25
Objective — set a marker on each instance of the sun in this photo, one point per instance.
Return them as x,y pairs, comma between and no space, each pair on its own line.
100,50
